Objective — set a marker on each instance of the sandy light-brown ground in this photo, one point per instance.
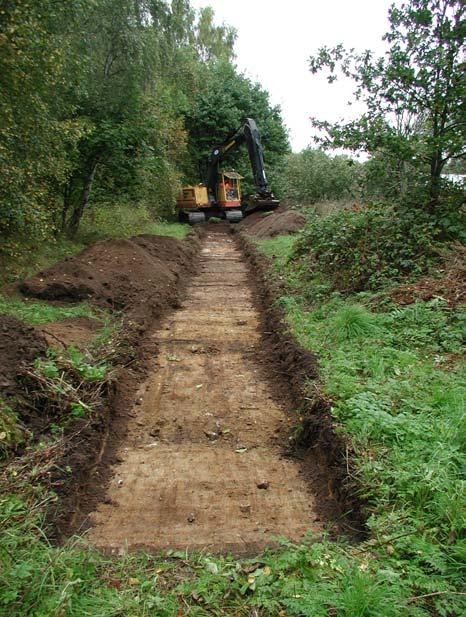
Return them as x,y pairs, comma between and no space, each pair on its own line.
202,466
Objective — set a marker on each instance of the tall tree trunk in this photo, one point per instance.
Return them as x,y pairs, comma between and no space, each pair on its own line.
436,166
79,208
66,203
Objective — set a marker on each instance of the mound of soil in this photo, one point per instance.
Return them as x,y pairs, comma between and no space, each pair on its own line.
282,221
19,345
77,331
141,272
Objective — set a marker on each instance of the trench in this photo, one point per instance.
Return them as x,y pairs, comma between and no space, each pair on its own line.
203,463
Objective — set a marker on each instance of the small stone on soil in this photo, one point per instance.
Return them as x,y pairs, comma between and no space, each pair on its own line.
263,485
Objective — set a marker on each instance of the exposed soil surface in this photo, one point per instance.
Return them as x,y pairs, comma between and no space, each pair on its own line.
203,463
139,274
19,345
76,331
282,221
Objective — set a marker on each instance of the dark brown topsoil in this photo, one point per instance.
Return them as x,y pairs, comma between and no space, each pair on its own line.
327,456
19,346
268,225
139,274
144,277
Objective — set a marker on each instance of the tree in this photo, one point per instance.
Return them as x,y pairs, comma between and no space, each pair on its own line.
226,99
415,95
312,175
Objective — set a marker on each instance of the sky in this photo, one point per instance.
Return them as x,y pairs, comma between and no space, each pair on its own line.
275,40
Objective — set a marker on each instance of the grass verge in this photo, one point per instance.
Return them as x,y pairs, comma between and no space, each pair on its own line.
396,382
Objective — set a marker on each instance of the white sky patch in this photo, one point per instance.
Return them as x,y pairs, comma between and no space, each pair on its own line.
275,41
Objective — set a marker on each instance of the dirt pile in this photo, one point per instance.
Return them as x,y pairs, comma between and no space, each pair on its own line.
280,222
19,345
141,272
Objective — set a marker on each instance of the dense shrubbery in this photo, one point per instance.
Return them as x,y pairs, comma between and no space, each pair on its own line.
364,248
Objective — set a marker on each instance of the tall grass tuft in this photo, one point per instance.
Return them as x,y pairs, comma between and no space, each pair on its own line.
353,321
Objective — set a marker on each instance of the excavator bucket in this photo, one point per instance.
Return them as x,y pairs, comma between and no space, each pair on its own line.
264,204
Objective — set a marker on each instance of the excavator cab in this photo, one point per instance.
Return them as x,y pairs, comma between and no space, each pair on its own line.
229,189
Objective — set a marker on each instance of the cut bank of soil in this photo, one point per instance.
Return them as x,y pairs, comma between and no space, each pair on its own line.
327,455
203,466
19,345
145,287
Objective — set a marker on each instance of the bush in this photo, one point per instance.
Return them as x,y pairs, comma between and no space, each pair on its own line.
365,248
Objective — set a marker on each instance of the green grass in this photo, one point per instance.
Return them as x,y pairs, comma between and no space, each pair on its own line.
175,230
397,388
306,580
36,313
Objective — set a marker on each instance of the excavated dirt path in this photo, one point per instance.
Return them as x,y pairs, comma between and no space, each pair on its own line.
202,466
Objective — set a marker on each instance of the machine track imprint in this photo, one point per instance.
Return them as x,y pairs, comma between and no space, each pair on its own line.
202,466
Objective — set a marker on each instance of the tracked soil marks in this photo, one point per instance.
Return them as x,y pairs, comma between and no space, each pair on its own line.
202,466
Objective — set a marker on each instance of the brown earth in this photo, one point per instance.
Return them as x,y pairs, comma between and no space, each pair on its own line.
146,286
282,221
203,464
449,284
139,274
327,456
19,345
76,331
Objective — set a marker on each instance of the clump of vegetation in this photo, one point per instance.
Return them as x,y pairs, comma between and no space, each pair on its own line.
66,384
366,247
12,433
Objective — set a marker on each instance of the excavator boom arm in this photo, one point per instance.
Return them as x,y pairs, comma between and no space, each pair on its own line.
248,133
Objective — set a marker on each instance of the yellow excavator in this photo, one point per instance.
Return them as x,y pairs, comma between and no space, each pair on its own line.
220,195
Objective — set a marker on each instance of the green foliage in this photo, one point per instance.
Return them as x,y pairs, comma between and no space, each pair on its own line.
353,322
398,397
365,248
224,101
414,96
123,220
93,100
312,176
12,433
52,366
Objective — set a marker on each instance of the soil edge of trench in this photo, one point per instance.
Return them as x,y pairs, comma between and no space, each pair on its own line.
326,455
